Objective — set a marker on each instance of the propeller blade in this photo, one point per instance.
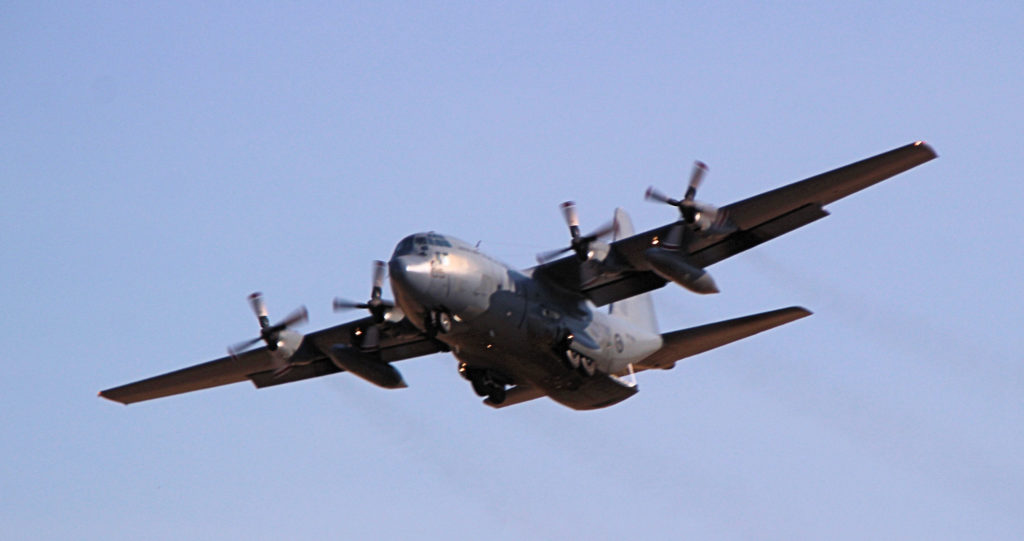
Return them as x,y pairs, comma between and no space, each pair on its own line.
242,346
603,231
345,304
699,170
551,255
569,211
260,309
379,268
572,219
298,316
653,194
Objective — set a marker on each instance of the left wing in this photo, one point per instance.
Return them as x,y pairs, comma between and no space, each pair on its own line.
398,341
757,220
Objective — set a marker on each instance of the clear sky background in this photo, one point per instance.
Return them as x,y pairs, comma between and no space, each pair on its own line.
159,162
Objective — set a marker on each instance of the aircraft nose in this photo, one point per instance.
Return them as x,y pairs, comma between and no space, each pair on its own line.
409,275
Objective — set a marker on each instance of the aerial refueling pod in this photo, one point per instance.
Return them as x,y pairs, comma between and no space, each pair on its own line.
366,366
673,266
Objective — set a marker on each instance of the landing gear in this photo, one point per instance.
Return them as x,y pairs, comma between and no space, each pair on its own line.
587,365
444,322
497,395
579,361
439,322
485,383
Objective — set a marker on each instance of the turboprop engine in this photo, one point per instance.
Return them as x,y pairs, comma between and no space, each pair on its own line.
366,366
673,266
668,259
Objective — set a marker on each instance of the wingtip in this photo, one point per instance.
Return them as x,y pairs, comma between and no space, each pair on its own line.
799,311
101,395
925,146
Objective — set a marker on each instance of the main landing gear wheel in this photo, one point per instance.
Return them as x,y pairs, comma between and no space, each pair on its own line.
572,359
579,361
497,395
444,322
479,387
439,322
484,383
587,365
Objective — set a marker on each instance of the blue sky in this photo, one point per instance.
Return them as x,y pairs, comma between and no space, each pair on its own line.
159,162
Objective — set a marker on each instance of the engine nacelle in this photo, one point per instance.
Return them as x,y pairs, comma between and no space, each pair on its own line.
366,366
709,219
673,266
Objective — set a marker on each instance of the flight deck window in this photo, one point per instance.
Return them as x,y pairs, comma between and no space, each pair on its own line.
404,247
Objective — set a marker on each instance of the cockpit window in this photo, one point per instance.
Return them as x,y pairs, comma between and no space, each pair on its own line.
419,243
404,247
437,240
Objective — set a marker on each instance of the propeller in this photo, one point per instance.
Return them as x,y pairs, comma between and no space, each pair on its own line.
269,334
378,307
580,244
687,206
692,213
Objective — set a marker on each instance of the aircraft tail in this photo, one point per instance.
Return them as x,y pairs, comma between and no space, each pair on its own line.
638,310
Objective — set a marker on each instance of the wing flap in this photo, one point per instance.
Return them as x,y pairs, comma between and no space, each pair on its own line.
689,342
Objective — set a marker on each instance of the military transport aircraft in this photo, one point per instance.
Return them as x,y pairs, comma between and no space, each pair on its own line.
523,334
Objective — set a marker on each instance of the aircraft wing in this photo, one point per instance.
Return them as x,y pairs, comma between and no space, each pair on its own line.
398,341
758,219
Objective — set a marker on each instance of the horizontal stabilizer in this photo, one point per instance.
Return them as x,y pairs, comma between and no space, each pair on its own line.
688,342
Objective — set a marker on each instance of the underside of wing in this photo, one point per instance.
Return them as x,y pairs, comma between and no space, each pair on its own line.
689,342
757,220
398,341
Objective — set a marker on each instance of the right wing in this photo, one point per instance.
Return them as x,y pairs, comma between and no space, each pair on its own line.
399,340
758,219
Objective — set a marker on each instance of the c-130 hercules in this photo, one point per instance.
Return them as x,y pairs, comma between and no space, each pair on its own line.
523,334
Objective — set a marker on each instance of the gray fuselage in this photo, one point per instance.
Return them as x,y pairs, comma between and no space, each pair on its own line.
494,318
